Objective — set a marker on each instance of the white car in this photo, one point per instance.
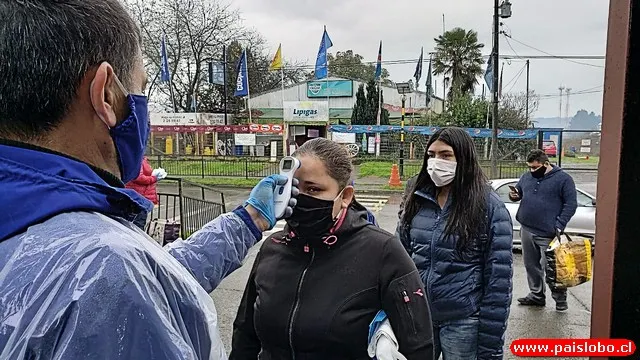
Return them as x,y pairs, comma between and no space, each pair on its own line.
582,223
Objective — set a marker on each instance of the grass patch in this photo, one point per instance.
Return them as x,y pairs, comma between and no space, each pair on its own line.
188,167
383,169
593,160
394,188
229,182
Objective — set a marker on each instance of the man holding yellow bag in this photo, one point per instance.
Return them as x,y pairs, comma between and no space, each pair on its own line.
548,200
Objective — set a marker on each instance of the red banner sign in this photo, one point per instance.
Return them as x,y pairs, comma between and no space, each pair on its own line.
235,129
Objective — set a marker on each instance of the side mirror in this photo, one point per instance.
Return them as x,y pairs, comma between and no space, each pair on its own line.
593,202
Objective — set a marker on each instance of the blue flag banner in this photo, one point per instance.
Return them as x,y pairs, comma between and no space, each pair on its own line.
322,66
488,75
242,83
216,73
418,73
430,130
165,75
429,85
379,63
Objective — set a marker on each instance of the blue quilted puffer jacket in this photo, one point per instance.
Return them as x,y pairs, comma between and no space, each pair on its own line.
460,284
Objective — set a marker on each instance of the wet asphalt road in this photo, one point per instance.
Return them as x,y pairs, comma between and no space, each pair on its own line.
523,322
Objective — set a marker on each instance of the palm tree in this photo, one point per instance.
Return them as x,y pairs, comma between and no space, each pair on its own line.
458,56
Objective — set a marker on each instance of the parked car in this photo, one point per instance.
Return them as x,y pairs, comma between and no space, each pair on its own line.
549,148
583,223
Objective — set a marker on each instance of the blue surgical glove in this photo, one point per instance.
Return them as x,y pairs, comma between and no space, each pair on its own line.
262,198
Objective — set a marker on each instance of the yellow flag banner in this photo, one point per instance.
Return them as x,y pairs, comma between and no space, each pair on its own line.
276,64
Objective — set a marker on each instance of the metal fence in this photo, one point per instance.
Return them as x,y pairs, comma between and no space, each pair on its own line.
214,166
506,169
192,205
249,167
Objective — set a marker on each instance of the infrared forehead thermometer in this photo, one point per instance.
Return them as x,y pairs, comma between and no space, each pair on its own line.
282,194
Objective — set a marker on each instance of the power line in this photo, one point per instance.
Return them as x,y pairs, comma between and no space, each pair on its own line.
551,55
515,79
556,96
569,58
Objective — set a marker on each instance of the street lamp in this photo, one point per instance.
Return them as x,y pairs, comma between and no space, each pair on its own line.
505,9
403,89
499,11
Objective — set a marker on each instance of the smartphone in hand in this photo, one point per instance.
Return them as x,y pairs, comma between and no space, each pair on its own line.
513,189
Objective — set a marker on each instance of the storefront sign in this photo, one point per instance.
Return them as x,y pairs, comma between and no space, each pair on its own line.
331,88
245,139
344,138
234,129
188,119
313,111
173,119
266,128
243,129
214,119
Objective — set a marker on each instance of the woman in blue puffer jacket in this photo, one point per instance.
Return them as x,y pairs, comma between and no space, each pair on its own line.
459,234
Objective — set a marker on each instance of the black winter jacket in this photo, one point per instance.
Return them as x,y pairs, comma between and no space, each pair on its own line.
309,301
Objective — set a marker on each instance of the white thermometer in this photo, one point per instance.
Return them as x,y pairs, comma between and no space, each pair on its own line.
282,194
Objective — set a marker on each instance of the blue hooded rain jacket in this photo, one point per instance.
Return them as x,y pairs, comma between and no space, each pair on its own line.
79,281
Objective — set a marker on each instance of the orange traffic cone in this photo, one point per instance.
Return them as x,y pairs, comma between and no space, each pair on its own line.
394,180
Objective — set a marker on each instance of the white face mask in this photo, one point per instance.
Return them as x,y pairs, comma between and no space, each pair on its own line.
441,171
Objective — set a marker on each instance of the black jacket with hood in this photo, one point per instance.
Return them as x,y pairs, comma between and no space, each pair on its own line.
307,300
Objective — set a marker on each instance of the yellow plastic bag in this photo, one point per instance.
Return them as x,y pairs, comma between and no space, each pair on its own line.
569,262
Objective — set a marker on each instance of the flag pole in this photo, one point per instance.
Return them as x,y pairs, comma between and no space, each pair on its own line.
246,60
285,128
326,58
379,74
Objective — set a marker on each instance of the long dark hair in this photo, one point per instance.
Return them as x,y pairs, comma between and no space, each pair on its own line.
468,193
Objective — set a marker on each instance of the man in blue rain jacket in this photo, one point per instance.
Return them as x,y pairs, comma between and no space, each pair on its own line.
77,279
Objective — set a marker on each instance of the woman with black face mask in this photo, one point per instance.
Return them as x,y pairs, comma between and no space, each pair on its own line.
459,234
315,287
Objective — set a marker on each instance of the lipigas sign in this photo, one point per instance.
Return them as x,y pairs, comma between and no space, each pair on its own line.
317,111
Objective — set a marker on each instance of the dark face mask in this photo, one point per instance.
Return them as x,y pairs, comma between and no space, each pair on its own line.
539,172
312,218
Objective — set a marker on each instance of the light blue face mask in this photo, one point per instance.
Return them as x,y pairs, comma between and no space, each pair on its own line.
131,135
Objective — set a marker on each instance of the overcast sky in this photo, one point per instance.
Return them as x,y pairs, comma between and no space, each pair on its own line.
567,27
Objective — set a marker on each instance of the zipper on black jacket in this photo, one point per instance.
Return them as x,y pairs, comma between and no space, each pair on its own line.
433,241
406,300
296,303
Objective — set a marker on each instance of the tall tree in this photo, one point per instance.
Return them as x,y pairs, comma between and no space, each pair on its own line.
359,114
458,56
513,110
196,32
373,96
349,65
365,110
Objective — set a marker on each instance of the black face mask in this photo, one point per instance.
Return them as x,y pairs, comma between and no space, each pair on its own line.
312,218
539,172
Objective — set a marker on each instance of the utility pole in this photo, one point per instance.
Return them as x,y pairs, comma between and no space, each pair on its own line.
527,104
404,97
496,61
561,88
566,110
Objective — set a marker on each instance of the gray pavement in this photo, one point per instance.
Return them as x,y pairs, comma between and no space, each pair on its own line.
523,322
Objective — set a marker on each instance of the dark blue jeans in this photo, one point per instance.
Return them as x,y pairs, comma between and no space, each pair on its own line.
456,339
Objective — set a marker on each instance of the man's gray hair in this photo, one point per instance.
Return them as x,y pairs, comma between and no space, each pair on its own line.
46,49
